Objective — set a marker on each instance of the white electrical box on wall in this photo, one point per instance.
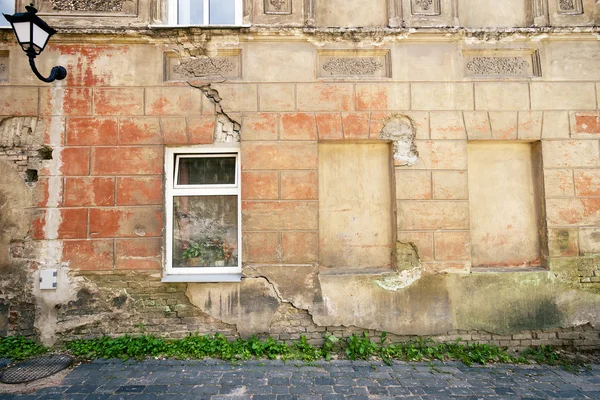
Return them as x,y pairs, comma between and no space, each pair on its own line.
48,279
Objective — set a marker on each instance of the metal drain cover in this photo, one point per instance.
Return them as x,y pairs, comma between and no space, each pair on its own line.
35,368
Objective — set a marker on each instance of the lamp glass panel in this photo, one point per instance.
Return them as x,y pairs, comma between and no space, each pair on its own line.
6,7
40,37
23,32
222,12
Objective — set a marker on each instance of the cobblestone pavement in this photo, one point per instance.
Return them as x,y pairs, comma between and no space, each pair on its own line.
262,380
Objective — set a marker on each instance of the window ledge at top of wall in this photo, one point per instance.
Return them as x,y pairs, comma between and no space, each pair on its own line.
487,270
191,278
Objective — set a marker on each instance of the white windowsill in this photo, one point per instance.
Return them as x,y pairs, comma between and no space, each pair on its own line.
202,278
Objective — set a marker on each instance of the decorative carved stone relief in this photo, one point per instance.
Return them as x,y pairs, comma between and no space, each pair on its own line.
278,6
225,65
87,7
570,6
540,12
515,63
354,63
3,66
425,7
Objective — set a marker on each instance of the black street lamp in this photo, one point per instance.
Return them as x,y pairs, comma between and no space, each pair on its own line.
33,34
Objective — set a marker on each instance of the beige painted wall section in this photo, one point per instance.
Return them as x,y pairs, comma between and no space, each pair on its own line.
355,205
503,205
493,13
351,13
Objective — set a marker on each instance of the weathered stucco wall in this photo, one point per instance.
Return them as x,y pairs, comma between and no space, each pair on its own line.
427,95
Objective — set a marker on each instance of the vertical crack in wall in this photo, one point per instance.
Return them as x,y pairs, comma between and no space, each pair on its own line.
227,130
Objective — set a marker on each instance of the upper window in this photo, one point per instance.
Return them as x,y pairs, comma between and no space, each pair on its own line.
203,214
6,7
205,12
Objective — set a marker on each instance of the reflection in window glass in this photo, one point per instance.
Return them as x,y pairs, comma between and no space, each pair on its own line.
205,231
6,7
222,12
206,171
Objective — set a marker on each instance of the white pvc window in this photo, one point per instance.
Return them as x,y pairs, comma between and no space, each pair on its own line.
6,7
203,214
205,12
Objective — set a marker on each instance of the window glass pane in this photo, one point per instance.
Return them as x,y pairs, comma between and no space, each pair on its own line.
222,12
6,7
206,171
205,231
191,12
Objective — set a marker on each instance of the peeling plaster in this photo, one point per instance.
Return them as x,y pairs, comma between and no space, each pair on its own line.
400,129
227,130
403,280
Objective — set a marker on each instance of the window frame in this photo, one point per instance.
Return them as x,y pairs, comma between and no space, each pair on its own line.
173,14
172,189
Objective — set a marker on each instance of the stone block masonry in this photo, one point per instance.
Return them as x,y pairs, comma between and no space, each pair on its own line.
97,211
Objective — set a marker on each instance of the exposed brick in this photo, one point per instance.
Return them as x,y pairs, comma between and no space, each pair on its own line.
173,101
174,131
425,215
139,190
558,182
570,153
201,130
274,215
262,247
573,211
325,97
300,247
447,125
298,126
125,222
19,101
422,240
260,126
299,185
89,191
563,242
127,161
452,245
66,101
587,182
260,185
139,130
413,185
329,126
92,131
71,224
90,255
355,125
138,254
450,185
119,101
279,155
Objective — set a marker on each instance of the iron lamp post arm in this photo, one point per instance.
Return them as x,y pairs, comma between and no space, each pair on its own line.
57,73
